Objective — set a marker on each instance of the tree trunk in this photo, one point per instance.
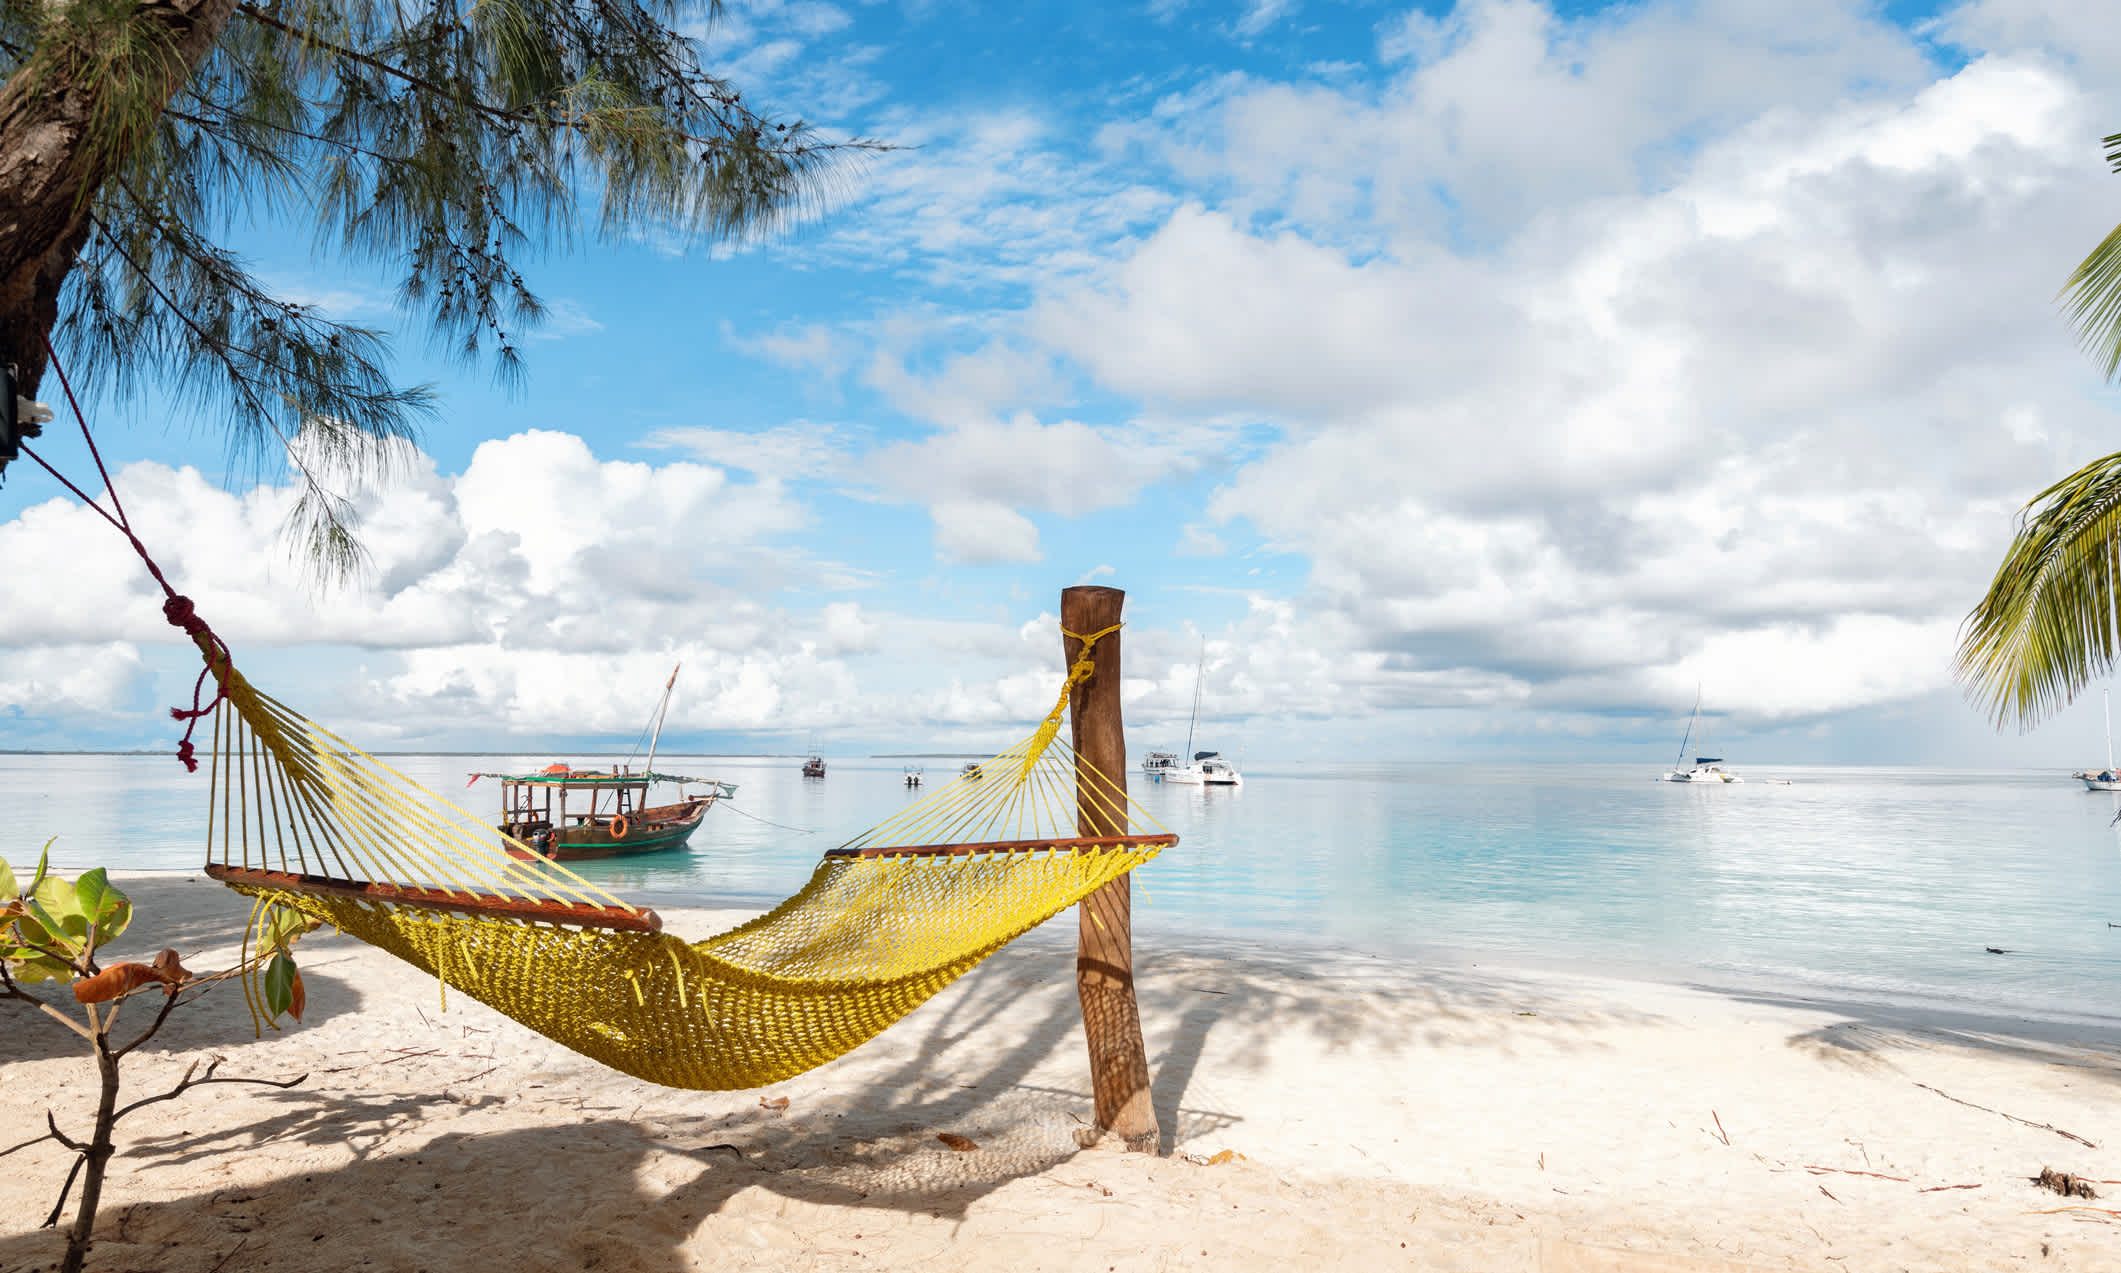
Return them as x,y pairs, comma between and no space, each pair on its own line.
58,145
100,1148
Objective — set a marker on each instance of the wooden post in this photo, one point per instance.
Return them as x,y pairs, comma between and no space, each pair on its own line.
1104,953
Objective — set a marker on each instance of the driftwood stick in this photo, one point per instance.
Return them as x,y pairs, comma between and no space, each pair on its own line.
2048,1211
1942,1188
2045,1127
1726,1136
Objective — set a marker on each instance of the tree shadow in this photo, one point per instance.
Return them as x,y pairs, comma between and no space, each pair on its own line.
1871,1034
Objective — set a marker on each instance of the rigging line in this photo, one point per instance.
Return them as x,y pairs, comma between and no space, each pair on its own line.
768,821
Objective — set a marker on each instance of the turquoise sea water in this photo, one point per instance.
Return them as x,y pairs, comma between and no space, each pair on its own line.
1881,883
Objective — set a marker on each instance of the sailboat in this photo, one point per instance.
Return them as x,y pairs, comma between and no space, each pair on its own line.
1706,769
2109,778
1207,768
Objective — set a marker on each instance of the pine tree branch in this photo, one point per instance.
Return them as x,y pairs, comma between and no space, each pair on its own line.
752,126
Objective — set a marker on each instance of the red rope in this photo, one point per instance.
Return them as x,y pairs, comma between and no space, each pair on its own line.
176,608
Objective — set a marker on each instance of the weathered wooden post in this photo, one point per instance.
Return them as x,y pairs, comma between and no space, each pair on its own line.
1104,953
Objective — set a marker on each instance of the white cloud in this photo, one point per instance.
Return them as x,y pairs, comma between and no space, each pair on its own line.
564,318
1642,436
982,533
74,680
785,453
1198,541
1261,14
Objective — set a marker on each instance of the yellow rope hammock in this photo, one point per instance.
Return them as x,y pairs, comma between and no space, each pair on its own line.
302,819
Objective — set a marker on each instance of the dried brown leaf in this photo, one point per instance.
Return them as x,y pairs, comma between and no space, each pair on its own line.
115,981
962,1144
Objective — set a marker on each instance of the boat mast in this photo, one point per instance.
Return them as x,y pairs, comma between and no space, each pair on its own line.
2106,694
1197,677
1688,736
657,736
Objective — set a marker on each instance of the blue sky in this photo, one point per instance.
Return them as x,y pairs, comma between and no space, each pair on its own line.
1471,380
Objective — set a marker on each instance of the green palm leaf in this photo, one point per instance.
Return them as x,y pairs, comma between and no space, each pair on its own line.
2093,293
2045,628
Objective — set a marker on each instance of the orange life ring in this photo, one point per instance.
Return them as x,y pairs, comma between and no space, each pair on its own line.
619,827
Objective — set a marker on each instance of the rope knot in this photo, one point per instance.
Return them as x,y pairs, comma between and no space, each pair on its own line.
181,613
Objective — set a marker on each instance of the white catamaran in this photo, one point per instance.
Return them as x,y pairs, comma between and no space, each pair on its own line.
2109,778
1207,768
1706,769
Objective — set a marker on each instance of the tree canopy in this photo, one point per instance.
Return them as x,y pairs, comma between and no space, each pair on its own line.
446,144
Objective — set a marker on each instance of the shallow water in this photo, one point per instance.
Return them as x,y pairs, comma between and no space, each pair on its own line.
1884,883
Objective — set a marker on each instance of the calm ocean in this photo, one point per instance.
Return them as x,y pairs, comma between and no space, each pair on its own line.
1871,883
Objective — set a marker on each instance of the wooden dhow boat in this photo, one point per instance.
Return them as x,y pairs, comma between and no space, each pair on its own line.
611,814
530,815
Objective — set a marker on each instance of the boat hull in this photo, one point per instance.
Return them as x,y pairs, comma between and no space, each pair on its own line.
655,830
1193,777
2100,784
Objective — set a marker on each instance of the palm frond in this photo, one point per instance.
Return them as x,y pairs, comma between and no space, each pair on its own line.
2045,628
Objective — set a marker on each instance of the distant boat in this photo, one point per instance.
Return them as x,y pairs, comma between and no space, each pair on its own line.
1208,768
971,770
815,766
627,825
913,775
1159,763
2109,778
1705,769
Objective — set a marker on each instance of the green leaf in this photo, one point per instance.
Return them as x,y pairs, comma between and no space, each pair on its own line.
55,919
58,905
283,924
2045,628
44,861
102,902
7,880
279,983
38,968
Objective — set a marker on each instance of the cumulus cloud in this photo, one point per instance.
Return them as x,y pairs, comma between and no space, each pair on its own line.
983,533
1644,437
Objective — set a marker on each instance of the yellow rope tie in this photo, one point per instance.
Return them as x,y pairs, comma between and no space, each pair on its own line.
1078,672
679,969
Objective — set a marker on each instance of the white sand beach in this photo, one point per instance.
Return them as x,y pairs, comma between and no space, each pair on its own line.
1390,1114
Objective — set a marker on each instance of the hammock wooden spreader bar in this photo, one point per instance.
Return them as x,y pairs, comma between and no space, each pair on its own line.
434,899
1071,844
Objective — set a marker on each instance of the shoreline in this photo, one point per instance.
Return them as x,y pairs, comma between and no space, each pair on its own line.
1486,1117
1791,988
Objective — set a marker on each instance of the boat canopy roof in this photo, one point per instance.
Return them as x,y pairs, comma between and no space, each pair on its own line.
1206,755
1708,760
562,776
